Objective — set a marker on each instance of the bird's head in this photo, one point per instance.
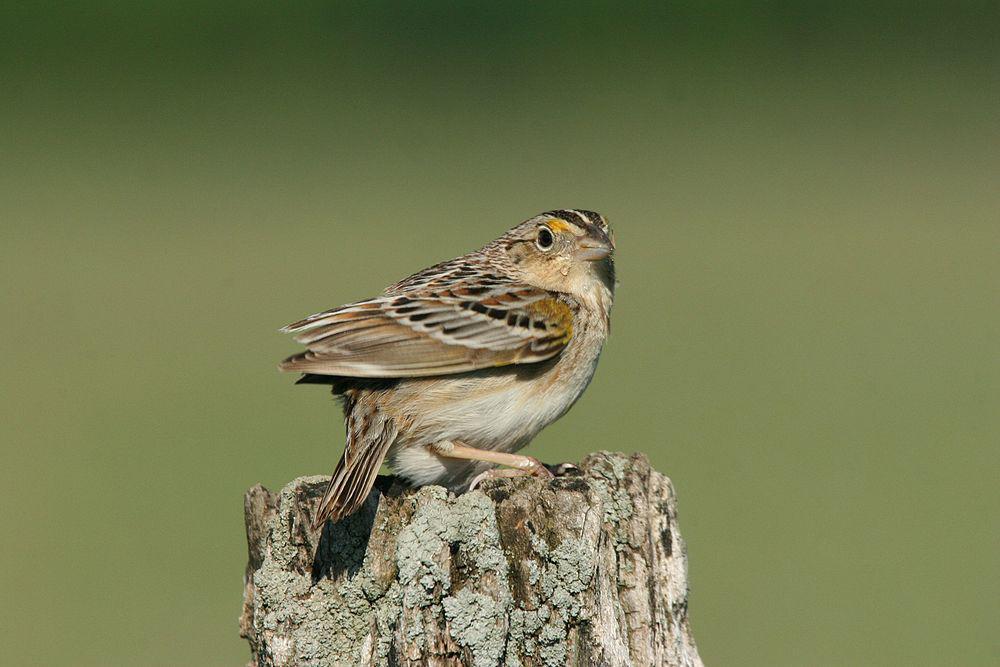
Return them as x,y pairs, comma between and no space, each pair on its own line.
568,250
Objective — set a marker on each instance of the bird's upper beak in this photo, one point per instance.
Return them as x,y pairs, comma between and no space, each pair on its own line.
593,250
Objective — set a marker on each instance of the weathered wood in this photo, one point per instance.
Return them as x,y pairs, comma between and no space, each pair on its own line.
588,569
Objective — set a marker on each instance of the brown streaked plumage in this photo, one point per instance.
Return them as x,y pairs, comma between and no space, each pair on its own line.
453,369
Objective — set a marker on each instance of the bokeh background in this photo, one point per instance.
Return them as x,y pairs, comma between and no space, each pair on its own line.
806,337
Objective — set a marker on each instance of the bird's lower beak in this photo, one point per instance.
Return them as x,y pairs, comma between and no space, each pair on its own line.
593,251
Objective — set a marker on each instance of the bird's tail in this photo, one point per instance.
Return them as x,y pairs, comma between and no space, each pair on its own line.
369,435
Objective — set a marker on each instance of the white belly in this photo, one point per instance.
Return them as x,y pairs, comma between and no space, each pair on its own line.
500,409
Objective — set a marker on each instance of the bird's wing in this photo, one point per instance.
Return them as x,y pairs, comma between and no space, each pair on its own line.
434,330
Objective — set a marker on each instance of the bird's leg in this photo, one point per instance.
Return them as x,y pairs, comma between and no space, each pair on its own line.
518,463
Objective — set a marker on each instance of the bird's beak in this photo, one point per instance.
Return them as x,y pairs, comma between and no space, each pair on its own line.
593,250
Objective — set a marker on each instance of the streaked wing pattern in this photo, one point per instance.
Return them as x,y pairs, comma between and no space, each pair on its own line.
434,327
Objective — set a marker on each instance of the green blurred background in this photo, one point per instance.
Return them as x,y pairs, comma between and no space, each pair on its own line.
806,336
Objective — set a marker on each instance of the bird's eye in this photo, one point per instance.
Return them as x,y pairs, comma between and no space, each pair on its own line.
544,240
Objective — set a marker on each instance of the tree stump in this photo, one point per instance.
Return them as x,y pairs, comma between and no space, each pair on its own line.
585,569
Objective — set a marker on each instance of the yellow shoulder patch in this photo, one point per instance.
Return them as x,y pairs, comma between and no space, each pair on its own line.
557,314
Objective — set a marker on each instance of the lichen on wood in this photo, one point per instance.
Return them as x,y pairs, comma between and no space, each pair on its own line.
585,569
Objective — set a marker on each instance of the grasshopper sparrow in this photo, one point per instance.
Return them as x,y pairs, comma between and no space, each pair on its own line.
449,372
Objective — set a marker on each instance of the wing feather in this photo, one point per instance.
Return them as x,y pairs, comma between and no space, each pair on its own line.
436,330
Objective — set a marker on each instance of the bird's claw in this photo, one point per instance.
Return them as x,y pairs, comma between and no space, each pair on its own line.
533,467
562,469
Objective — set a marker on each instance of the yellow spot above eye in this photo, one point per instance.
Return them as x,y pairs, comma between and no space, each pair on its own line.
557,225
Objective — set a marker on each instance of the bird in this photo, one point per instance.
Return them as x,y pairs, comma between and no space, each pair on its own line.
450,372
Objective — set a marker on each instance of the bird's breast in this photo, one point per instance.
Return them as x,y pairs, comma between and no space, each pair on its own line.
501,408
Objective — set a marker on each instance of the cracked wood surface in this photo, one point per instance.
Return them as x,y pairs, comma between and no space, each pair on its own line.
588,569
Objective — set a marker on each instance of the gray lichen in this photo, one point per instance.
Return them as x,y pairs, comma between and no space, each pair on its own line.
477,623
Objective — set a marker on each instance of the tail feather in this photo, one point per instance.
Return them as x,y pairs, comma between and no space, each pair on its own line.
336,504
368,441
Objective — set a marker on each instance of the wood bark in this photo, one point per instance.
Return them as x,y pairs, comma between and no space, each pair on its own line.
585,569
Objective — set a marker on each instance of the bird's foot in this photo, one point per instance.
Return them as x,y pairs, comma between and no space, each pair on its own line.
526,466
562,469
